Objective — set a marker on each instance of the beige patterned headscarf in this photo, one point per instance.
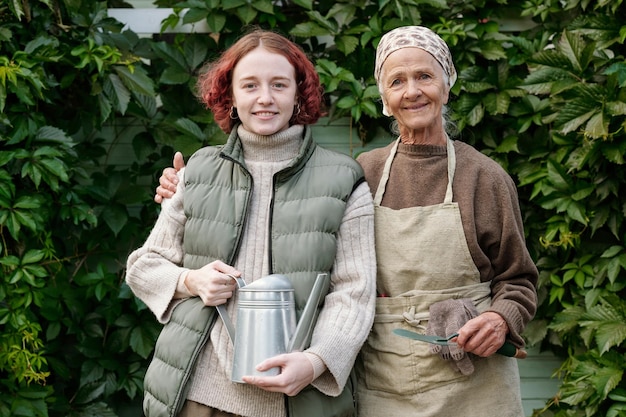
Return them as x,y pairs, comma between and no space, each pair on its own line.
415,37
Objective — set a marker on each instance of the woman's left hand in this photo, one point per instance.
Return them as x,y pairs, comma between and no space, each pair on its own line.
296,373
483,335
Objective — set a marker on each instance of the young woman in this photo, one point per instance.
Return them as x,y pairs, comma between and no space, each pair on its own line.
269,201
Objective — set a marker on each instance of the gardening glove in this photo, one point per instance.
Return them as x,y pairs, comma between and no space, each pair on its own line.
446,318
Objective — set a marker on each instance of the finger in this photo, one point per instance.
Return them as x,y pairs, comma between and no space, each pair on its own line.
268,383
164,192
169,179
214,297
170,173
273,362
179,162
226,269
158,199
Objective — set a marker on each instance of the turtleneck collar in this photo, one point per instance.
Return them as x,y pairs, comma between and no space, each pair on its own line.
424,150
282,146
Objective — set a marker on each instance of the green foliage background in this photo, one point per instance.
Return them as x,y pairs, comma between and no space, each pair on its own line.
547,101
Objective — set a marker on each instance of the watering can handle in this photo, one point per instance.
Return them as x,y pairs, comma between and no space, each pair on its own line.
221,310
308,318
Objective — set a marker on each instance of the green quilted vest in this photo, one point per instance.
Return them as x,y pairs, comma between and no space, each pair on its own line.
309,201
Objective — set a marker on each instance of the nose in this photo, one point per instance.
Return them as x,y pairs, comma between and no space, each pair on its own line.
265,95
413,89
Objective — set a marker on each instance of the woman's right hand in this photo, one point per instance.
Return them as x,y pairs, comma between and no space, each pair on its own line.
213,282
168,179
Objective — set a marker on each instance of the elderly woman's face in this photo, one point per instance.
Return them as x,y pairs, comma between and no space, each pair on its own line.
414,89
264,91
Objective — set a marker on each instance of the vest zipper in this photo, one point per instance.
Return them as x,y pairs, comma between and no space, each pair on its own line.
245,210
269,228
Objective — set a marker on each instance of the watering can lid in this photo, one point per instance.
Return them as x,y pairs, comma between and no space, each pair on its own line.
271,282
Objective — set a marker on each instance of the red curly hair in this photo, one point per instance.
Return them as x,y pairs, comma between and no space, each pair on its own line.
214,84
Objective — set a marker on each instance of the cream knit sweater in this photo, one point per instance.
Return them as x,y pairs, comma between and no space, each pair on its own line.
154,271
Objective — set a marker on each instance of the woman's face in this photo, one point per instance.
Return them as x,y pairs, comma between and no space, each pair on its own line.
414,90
264,91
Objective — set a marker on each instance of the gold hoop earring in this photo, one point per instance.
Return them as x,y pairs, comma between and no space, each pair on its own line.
233,113
297,111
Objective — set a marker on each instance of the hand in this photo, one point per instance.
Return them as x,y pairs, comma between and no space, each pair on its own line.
296,373
168,179
212,282
483,335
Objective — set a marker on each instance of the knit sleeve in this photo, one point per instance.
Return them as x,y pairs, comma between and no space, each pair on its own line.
488,198
153,270
345,320
514,294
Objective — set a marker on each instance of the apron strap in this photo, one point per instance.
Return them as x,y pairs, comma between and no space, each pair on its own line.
382,185
451,169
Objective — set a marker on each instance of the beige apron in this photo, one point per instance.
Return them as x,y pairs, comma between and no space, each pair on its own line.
423,258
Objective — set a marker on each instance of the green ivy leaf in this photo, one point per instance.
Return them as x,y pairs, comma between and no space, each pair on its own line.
232,4
618,68
90,392
190,128
194,15
247,14
509,144
492,50
118,91
347,44
135,79
346,102
306,4
172,76
216,21
115,216
308,29
141,341
264,6
597,127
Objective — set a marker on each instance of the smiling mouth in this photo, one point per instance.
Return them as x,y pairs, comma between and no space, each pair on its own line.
265,113
416,106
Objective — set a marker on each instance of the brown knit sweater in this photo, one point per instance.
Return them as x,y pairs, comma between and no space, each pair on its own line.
490,213
153,273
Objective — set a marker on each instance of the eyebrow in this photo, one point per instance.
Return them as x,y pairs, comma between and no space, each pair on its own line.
255,77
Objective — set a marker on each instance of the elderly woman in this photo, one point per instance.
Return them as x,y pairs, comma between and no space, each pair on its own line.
450,250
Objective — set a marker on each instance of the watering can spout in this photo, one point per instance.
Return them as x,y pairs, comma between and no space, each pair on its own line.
304,329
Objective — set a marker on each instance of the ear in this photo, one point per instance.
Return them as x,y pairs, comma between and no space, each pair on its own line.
446,95
385,108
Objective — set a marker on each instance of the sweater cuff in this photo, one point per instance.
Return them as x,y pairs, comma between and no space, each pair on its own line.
181,287
318,364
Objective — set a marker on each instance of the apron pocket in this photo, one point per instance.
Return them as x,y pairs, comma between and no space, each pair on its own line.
401,366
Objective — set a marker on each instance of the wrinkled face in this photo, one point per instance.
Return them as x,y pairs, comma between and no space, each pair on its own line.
264,91
414,89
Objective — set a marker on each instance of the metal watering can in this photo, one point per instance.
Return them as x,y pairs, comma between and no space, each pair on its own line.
266,322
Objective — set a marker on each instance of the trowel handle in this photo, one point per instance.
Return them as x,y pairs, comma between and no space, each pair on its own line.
508,349
221,310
